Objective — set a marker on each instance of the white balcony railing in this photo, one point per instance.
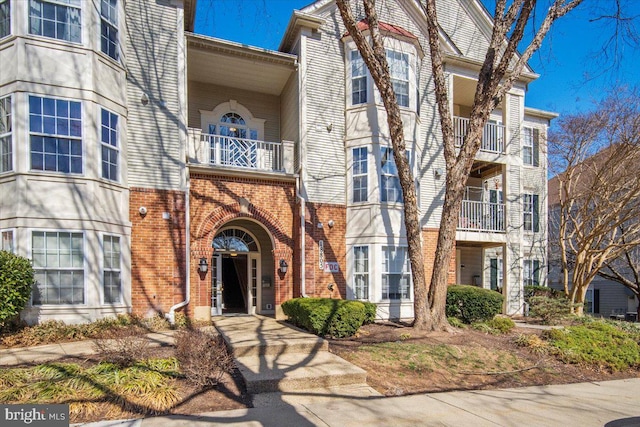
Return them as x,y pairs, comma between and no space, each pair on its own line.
492,135
481,216
244,153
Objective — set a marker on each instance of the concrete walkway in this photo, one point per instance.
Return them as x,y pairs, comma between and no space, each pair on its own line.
609,404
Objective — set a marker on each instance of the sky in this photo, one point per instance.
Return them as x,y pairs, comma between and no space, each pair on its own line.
571,63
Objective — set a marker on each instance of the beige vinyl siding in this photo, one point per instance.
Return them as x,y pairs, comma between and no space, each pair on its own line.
325,154
154,151
206,97
289,108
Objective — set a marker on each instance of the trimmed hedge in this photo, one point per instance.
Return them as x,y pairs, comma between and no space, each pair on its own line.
472,304
325,316
16,279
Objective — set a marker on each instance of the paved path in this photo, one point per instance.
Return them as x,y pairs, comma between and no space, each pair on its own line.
608,403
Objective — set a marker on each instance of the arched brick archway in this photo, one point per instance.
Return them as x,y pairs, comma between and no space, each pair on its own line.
205,231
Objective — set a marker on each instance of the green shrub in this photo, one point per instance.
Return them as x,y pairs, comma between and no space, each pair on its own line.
455,322
541,291
597,343
472,304
370,312
501,324
549,309
16,279
326,316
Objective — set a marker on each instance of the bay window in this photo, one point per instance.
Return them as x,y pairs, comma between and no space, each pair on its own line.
396,273
361,272
59,19
109,27
360,174
111,278
6,135
109,140
55,133
58,261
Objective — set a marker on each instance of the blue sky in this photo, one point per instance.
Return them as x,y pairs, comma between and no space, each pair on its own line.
570,62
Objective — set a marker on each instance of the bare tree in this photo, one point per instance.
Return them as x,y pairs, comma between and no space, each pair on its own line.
595,200
500,69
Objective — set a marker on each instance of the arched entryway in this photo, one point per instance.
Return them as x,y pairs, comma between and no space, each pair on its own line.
242,269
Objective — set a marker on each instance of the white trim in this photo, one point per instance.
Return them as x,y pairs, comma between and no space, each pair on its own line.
231,106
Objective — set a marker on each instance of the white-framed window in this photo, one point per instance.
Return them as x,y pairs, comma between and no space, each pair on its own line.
111,274
110,145
588,301
358,79
5,18
361,272
530,212
531,272
6,135
55,133
390,190
399,70
109,27
8,244
59,19
396,273
58,261
527,146
360,174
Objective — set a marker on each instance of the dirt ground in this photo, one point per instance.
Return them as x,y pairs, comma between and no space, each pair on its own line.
477,361
468,360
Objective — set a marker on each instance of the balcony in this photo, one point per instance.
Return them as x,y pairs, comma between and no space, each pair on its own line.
240,153
481,216
492,135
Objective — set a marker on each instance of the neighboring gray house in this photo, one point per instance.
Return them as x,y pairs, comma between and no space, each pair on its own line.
148,169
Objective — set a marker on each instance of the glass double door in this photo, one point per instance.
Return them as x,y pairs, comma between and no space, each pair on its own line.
234,287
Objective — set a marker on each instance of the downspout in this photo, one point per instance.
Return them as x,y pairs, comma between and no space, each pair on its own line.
303,261
171,315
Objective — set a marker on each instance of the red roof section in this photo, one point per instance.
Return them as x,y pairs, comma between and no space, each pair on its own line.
363,25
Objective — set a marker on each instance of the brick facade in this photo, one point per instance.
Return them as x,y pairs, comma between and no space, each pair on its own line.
333,242
157,250
216,200
429,244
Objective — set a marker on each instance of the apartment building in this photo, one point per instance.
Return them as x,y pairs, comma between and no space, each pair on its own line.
149,169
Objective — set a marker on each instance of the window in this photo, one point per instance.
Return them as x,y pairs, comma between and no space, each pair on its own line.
530,147
60,19
112,281
360,175
109,27
531,273
496,274
5,18
399,69
109,139
55,130
396,274
7,241
390,190
358,79
6,143
361,272
58,261
530,209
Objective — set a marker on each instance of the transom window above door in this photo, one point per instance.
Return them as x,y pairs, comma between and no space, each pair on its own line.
234,240
233,125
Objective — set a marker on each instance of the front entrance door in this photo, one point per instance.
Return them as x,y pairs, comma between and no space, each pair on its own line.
235,283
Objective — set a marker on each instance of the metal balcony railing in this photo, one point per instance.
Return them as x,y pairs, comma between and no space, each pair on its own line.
492,135
481,216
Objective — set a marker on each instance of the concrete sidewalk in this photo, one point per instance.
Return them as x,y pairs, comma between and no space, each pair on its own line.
608,403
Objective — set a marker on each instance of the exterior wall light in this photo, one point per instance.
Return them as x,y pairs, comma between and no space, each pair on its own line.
203,267
144,99
283,266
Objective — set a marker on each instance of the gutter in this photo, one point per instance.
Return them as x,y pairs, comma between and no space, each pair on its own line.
171,315
303,261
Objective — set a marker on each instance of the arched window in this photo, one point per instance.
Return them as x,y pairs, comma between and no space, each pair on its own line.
234,240
233,125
